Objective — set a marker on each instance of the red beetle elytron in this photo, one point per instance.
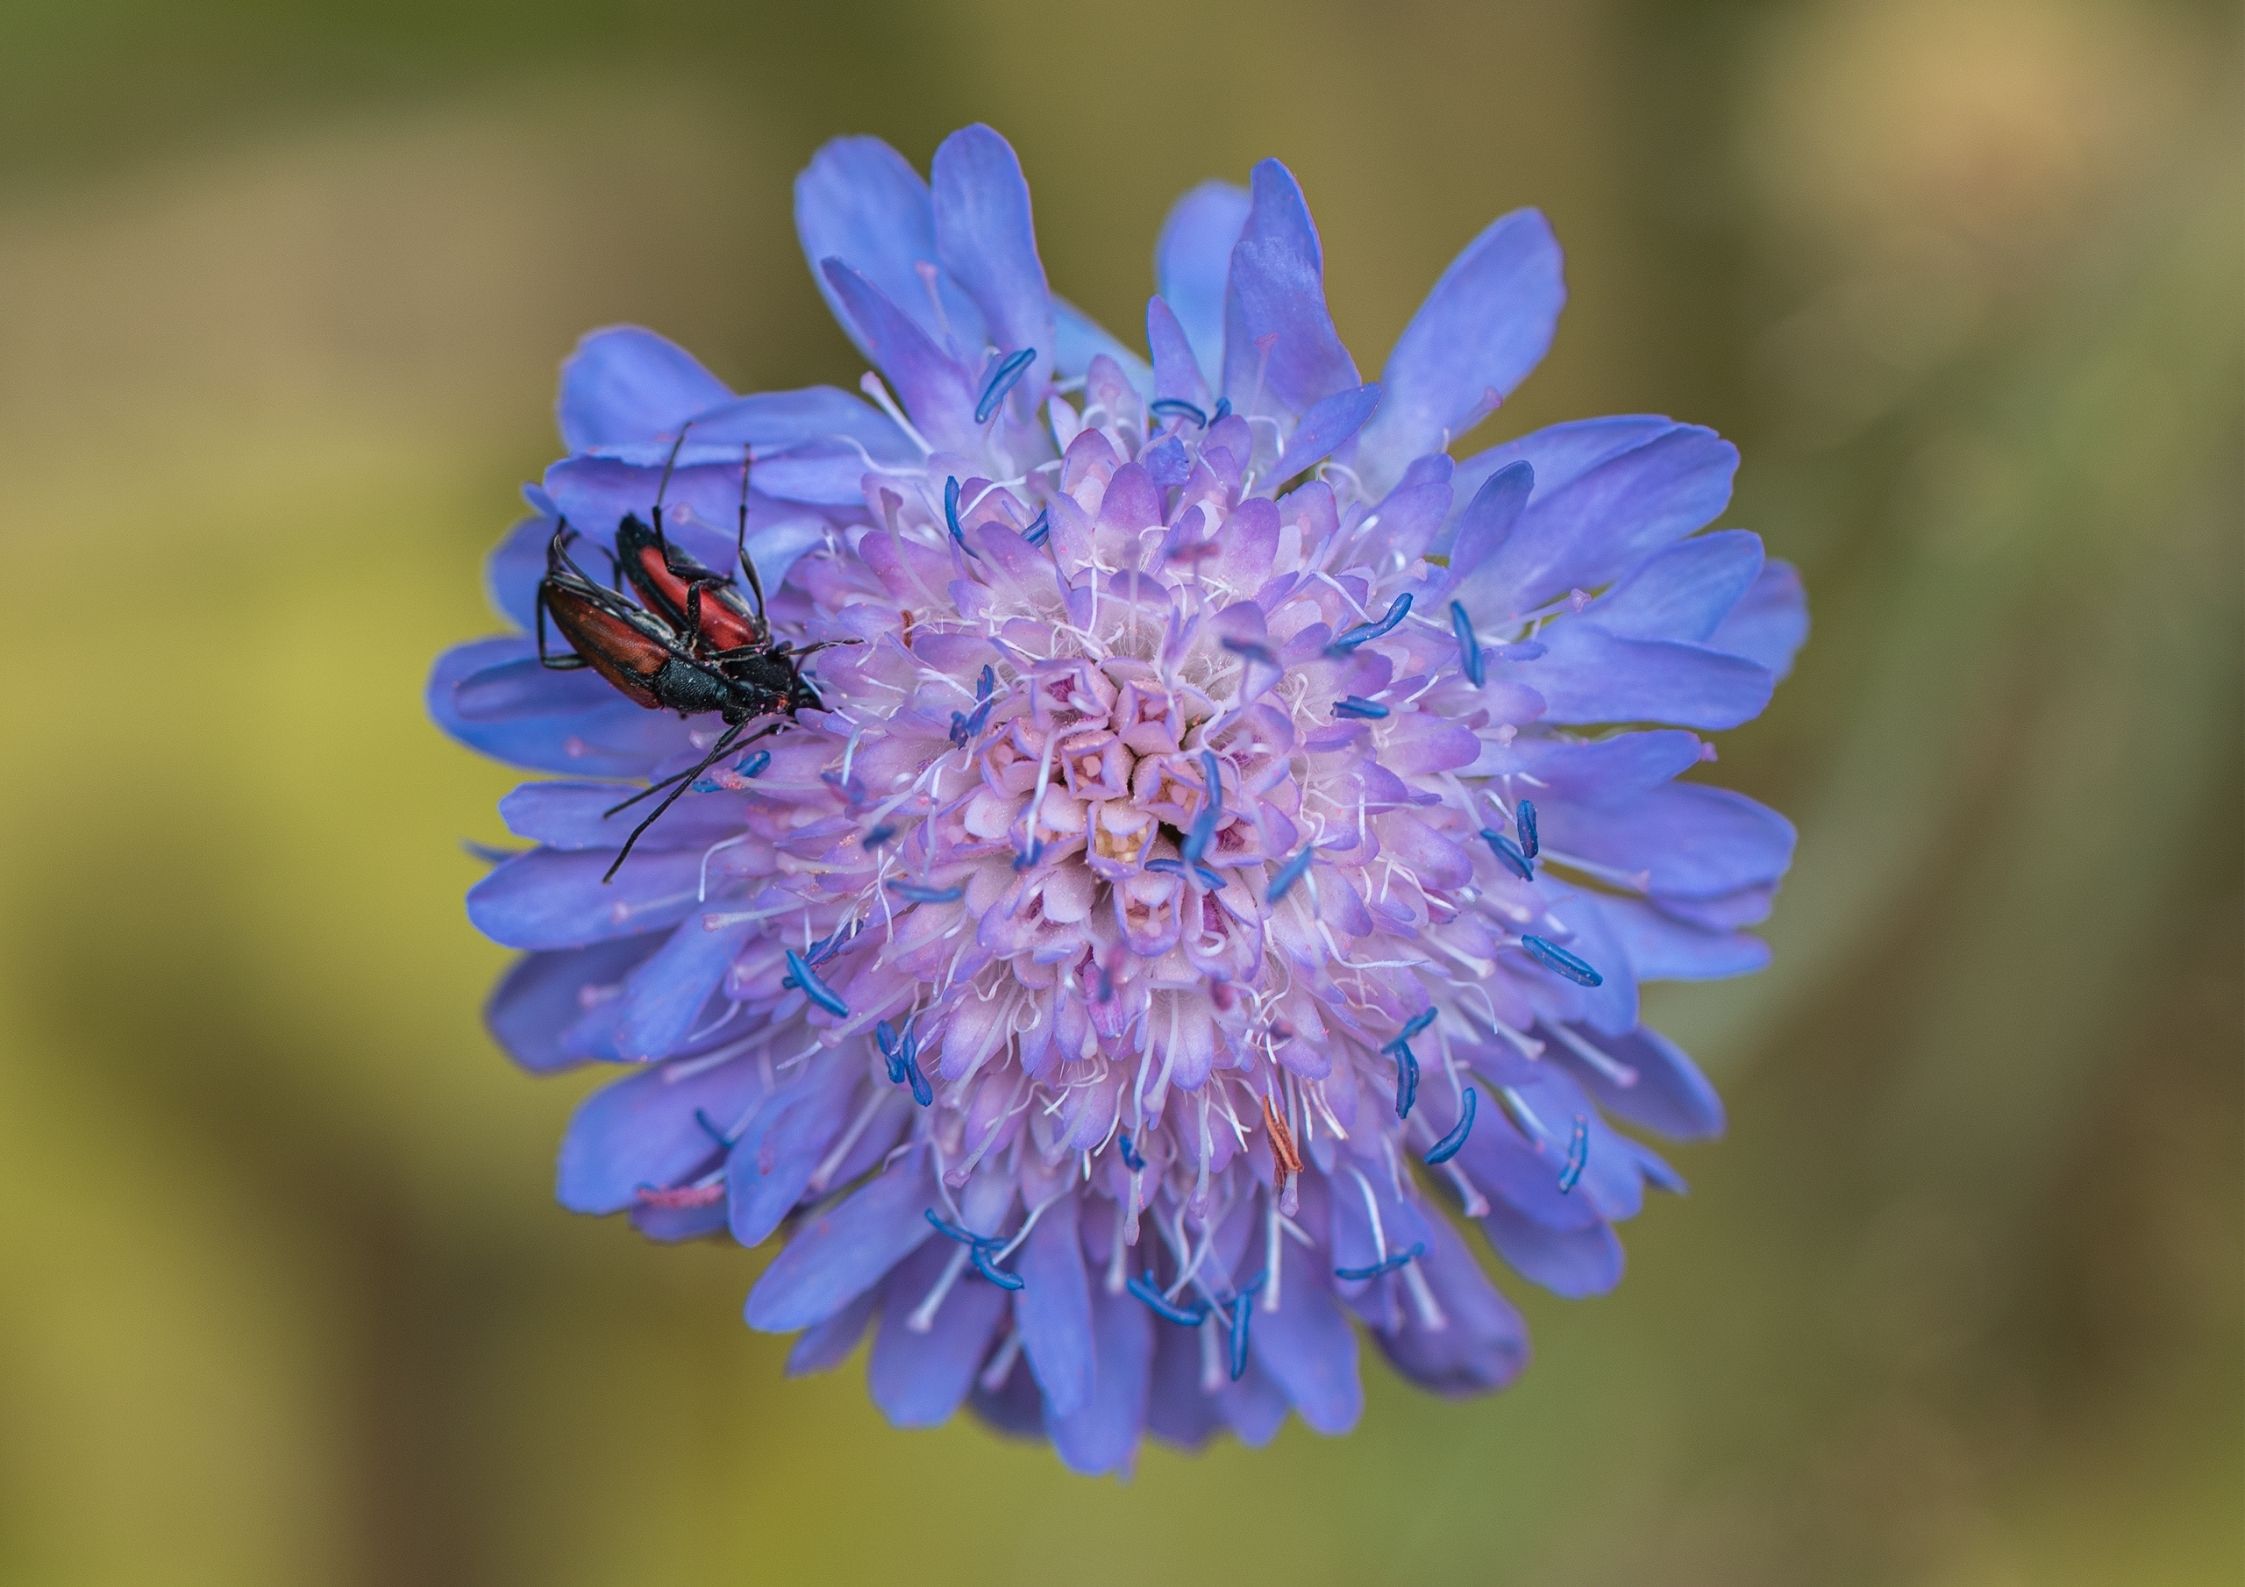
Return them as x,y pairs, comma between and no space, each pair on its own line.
691,598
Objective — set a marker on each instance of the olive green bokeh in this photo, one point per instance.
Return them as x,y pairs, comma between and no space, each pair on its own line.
283,1294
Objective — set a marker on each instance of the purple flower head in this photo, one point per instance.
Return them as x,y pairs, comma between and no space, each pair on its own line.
1230,832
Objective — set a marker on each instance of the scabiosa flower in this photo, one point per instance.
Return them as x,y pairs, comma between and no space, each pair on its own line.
1231,838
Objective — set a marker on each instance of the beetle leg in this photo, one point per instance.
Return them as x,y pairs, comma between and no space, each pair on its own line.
570,662
740,545
694,590
663,485
748,567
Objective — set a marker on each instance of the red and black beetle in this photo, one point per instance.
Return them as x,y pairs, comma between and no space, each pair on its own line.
693,647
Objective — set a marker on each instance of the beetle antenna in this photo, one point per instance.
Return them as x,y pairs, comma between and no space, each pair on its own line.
652,788
675,777
726,742
662,485
740,545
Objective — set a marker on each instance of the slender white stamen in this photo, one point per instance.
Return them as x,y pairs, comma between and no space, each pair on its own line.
823,1175
1371,1211
870,384
923,1315
1422,1298
1614,1070
1029,1223
1270,1256
1001,1362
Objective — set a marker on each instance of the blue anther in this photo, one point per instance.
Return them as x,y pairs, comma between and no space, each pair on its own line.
915,893
959,733
1356,705
1398,609
951,1231
1454,1142
987,684
979,717
1166,866
1578,1156
951,513
710,1129
1524,817
1418,1022
1163,1307
1198,834
1222,410
879,835
1132,1158
884,1036
1040,527
800,971
909,1061
748,766
1288,874
1253,650
1002,381
1349,639
1469,646
1406,1078
1509,853
1392,1262
1029,856
1557,958
1178,408
1208,878
1242,1309
1211,771
994,1273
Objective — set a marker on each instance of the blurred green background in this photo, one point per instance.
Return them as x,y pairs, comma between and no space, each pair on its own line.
283,1295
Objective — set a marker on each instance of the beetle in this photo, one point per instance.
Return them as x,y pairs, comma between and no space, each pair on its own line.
689,644
656,665
651,661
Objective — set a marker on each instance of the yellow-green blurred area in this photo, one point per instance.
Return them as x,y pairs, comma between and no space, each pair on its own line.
284,1297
